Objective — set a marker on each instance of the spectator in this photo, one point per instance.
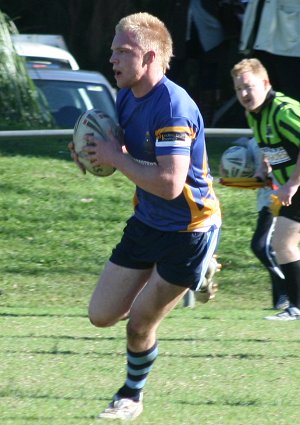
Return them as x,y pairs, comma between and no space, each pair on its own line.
271,33
206,35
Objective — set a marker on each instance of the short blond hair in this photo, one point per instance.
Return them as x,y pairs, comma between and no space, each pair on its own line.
250,65
150,34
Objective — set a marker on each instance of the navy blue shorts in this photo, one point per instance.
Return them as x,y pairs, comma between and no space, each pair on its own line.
292,211
181,258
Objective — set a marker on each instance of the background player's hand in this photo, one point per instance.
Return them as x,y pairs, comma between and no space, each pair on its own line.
286,192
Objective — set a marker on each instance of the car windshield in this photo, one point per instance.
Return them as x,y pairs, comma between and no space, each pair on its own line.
38,62
68,99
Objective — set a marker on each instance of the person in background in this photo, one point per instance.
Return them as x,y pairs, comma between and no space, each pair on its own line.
275,121
168,242
206,35
270,32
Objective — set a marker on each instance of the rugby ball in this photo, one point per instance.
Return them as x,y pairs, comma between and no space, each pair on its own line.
236,161
98,124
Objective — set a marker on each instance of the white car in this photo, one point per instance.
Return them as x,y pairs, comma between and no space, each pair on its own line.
70,93
38,55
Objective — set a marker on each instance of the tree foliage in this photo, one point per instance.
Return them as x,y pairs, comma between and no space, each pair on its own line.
20,105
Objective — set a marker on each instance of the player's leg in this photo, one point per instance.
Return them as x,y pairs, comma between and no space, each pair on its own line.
114,294
263,250
286,239
152,304
286,245
182,259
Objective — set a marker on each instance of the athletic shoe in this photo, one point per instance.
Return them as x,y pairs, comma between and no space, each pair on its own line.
290,313
122,409
209,287
207,291
282,303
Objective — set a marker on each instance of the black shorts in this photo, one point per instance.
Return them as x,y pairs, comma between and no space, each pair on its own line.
181,258
292,211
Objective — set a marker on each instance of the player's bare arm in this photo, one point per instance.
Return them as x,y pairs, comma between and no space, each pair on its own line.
288,190
166,179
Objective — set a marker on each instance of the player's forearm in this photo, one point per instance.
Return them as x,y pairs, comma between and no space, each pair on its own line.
294,180
153,178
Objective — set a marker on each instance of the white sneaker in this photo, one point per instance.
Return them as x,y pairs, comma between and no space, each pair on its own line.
123,409
290,313
209,288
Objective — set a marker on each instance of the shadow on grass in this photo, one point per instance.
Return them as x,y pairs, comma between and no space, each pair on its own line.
48,148
224,403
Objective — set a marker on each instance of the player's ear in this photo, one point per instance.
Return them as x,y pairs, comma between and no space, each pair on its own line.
148,57
267,84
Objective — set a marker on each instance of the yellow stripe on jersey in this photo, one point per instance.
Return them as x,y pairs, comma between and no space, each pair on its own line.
201,217
177,129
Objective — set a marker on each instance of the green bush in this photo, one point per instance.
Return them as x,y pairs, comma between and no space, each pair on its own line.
20,104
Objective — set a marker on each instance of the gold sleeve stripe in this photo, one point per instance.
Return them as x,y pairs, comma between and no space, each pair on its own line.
178,129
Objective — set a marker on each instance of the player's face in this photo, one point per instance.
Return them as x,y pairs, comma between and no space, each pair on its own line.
127,60
251,90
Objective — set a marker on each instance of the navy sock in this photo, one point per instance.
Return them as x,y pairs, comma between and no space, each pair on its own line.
291,273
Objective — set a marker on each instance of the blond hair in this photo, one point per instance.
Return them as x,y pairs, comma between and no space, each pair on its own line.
250,65
150,34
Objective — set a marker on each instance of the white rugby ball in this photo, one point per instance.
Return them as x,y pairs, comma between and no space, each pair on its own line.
98,124
236,161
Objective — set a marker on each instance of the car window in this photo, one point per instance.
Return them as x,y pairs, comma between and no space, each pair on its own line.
67,100
38,62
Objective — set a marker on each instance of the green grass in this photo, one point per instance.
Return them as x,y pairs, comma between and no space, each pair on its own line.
219,364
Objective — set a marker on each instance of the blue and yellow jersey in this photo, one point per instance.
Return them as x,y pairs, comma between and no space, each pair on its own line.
276,129
167,122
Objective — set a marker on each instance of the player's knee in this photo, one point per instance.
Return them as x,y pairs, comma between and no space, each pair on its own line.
103,320
99,320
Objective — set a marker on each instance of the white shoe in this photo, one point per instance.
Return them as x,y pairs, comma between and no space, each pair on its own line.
209,288
290,313
123,409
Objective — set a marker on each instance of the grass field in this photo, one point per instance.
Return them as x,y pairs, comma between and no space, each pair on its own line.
219,363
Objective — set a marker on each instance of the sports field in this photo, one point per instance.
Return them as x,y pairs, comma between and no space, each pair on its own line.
219,363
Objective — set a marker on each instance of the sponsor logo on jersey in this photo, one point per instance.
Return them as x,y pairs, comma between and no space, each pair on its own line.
276,155
172,138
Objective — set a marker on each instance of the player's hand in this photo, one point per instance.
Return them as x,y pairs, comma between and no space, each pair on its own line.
75,157
102,151
286,192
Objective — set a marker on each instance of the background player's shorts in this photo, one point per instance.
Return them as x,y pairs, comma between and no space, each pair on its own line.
181,258
292,211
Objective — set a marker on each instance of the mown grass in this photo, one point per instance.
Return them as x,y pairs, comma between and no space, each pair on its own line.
219,363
